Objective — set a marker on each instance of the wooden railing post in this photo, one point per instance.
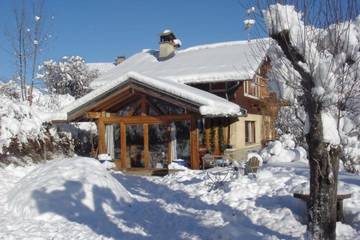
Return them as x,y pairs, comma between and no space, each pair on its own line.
194,143
123,145
101,136
146,145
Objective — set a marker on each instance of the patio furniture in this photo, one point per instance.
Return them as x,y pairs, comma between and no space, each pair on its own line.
252,166
339,203
207,161
217,177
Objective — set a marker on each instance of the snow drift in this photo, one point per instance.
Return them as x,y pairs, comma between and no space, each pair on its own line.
71,188
177,206
283,150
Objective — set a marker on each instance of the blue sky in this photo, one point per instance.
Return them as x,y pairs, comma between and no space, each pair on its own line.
100,30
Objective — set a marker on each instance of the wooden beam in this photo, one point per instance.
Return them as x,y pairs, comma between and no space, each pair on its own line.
217,150
134,108
93,115
194,144
115,100
92,106
143,106
207,133
156,108
146,119
118,161
116,106
123,145
101,136
169,99
168,137
227,132
121,93
146,145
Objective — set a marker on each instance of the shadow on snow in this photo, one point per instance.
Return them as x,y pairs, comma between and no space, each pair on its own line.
153,218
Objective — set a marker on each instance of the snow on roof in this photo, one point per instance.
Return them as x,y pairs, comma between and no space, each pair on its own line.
226,61
209,104
177,42
102,67
166,31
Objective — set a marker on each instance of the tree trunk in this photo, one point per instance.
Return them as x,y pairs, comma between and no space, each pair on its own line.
324,167
323,158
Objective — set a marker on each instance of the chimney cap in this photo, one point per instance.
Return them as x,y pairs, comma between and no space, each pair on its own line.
167,36
119,59
166,32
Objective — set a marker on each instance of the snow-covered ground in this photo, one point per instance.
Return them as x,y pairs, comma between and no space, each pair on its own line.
78,199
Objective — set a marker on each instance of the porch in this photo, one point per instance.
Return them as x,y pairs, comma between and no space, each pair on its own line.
147,123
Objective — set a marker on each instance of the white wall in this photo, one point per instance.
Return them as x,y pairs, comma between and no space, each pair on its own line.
237,132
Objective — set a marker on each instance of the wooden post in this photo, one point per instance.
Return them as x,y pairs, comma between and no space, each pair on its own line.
207,133
168,142
118,161
216,138
194,144
143,106
101,136
146,145
123,145
228,123
224,126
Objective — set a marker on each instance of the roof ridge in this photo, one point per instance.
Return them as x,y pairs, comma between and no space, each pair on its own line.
221,44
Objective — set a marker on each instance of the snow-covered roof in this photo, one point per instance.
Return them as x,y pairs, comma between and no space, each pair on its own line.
226,61
209,104
102,67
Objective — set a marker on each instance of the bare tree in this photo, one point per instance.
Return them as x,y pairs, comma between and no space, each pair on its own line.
315,58
19,42
27,38
38,38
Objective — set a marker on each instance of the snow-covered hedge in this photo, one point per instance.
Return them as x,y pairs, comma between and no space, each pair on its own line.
283,150
23,128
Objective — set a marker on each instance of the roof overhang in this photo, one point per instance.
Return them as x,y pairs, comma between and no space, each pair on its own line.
196,100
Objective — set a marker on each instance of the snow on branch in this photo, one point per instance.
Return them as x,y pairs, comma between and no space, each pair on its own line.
311,62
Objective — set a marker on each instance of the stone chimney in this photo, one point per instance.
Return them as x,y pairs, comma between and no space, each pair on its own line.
168,44
119,59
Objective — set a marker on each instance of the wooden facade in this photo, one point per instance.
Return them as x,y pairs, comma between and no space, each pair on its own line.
133,105
266,104
145,121
145,108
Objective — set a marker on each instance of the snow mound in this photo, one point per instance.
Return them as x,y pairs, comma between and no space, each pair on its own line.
178,164
72,188
283,150
344,231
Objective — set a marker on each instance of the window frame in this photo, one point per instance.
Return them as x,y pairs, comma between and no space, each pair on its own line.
256,87
250,132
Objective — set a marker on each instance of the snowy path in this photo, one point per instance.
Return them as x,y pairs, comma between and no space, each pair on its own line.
179,206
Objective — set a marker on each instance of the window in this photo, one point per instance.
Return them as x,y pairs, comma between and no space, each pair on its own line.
252,87
249,132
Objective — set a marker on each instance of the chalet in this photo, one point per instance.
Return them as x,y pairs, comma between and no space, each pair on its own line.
166,104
